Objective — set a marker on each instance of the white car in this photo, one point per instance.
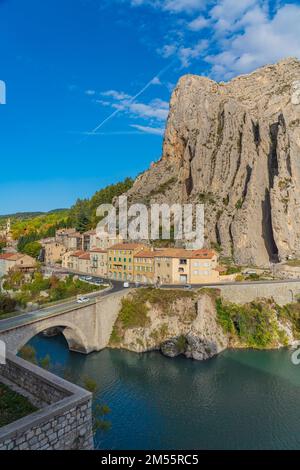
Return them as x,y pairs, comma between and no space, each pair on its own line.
126,285
82,300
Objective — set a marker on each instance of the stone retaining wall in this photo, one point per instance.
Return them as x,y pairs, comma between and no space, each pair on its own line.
64,420
283,292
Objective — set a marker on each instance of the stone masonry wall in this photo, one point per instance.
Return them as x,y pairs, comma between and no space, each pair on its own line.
65,422
283,292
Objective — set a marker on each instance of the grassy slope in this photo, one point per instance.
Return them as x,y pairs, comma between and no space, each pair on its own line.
13,406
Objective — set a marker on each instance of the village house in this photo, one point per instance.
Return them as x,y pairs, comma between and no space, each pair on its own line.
98,261
91,240
11,261
143,267
84,263
180,266
53,250
70,238
70,260
121,260
106,241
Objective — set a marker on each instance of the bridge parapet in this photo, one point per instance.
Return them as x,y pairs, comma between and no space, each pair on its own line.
86,328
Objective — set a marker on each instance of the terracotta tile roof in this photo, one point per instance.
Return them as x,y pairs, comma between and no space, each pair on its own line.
182,253
12,256
76,254
145,254
203,254
128,246
85,256
6,255
97,250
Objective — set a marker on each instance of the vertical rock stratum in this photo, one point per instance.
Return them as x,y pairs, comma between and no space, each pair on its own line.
236,147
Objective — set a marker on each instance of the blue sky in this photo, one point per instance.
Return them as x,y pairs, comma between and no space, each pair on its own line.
89,81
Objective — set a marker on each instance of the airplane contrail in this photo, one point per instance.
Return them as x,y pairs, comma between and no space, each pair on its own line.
132,99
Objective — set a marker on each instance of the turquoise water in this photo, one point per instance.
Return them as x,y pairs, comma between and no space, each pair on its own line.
238,400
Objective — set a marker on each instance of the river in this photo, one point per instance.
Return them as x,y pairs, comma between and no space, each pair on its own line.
238,400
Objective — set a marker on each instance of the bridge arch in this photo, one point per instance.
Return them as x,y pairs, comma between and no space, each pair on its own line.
74,336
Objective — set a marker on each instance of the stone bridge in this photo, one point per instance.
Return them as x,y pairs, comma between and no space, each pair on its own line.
87,328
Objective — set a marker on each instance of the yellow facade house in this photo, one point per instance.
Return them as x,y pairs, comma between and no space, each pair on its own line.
121,260
180,266
143,268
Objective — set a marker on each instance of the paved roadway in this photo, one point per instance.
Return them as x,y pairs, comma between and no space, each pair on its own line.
45,312
52,310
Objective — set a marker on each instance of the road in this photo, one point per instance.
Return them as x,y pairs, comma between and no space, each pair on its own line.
232,283
52,310
62,307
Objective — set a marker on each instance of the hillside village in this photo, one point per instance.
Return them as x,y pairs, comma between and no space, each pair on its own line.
118,260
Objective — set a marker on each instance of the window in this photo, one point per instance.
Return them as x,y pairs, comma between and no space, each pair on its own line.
196,264
183,261
124,260
196,272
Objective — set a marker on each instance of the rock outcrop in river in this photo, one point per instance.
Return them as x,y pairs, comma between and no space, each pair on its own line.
235,147
199,324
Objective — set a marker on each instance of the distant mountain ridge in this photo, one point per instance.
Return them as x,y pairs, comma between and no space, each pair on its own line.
28,215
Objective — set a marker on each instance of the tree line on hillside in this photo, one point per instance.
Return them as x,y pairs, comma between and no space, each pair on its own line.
82,216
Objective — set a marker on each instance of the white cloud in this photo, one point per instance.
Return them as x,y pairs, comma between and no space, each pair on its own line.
149,130
172,6
90,92
157,109
117,95
263,40
177,6
235,36
187,54
167,50
198,23
156,81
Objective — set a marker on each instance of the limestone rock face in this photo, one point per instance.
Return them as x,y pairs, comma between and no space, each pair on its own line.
235,147
206,337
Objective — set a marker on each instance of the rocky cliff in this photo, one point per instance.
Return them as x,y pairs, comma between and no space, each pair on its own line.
235,147
199,324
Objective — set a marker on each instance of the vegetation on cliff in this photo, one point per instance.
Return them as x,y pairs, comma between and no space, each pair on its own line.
200,323
253,325
135,310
